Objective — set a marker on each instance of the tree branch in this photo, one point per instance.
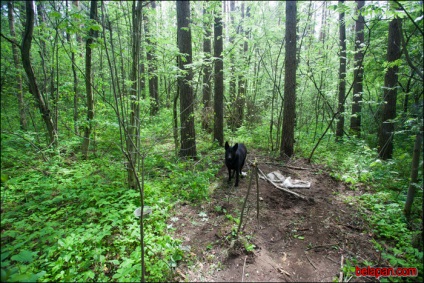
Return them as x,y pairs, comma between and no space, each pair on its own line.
408,59
14,42
409,16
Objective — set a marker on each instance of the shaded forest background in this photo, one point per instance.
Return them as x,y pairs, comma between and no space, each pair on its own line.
109,106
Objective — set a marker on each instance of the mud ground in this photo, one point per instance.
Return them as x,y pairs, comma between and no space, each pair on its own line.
294,239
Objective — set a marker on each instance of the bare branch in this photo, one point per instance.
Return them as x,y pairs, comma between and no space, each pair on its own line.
14,42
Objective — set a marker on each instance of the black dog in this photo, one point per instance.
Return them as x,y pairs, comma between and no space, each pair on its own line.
234,159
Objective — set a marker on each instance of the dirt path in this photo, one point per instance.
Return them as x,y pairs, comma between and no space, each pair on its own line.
296,240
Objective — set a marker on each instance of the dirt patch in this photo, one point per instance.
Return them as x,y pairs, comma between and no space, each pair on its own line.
294,240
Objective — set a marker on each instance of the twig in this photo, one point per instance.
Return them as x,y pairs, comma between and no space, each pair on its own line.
322,246
310,261
242,276
341,270
244,203
38,148
295,168
282,271
330,259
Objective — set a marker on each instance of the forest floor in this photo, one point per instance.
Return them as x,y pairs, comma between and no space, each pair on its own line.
296,240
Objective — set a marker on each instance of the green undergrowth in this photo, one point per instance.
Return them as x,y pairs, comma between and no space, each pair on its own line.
66,219
384,185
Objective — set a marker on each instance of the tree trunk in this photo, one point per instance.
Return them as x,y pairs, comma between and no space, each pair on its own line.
133,134
151,59
206,99
54,90
76,4
20,94
43,50
74,75
355,120
232,121
188,134
218,129
175,119
289,116
242,81
413,185
385,142
25,53
323,29
88,85
342,74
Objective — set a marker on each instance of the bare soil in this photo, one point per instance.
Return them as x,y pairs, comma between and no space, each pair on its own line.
294,240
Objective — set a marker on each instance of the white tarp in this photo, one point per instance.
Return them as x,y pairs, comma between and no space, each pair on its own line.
287,182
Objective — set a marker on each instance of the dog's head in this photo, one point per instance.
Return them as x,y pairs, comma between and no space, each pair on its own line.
230,152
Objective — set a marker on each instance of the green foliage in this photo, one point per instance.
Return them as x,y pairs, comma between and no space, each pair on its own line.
355,163
64,219
392,230
72,220
358,165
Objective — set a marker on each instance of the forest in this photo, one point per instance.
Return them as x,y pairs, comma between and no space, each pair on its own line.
114,116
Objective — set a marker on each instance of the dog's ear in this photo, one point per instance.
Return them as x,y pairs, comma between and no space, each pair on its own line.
235,147
227,145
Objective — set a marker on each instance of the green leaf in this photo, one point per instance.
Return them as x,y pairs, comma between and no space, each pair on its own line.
96,27
4,178
24,256
114,261
5,255
56,14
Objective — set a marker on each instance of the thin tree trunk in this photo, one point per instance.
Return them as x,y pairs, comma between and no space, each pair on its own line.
26,62
342,74
206,73
133,135
232,86
289,115
242,81
218,130
120,110
54,90
323,31
21,103
74,75
151,59
175,118
413,185
355,120
43,53
88,85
